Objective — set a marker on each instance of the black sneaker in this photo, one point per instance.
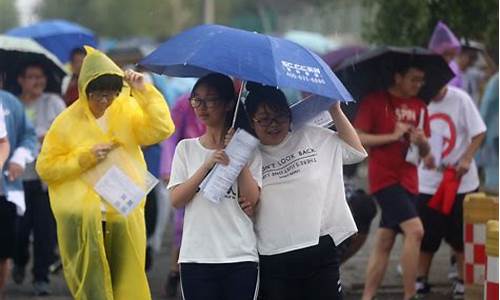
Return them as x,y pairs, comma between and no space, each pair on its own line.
18,274
422,286
41,288
172,284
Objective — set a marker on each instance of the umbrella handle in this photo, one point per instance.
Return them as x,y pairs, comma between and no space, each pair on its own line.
243,85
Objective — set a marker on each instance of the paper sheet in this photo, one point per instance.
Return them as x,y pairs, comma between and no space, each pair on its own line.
239,150
120,179
119,191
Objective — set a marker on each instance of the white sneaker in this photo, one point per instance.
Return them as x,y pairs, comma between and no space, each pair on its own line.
458,289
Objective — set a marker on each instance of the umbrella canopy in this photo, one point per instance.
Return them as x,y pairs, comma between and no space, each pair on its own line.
336,57
58,36
249,56
16,52
374,70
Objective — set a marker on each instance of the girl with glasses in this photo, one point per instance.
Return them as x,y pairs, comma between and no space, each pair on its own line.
303,215
218,256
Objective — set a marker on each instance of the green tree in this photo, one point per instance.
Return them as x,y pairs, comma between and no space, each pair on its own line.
124,18
9,13
411,22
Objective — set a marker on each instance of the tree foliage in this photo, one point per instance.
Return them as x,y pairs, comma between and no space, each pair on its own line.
9,15
124,18
411,22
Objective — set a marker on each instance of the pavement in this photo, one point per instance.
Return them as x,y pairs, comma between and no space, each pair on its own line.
352,275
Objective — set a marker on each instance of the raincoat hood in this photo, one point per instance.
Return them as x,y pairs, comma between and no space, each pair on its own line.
443,39
95,64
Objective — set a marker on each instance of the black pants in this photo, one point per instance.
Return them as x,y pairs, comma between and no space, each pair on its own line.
8,228
151,213
231,281
309,273
39,219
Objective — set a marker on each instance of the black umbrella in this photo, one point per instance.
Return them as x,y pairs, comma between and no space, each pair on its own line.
374,69
17,52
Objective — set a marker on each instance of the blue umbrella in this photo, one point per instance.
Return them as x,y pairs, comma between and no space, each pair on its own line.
248,56
57,36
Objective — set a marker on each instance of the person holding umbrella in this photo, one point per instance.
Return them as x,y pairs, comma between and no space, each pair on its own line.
302,215
218,256
388,122
102,251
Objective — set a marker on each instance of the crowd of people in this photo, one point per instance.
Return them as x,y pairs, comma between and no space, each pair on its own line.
292,216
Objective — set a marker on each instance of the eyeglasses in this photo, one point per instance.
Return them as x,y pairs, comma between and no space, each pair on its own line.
103,96
210,102
267,121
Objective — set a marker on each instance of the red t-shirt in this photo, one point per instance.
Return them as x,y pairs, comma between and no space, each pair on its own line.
377,114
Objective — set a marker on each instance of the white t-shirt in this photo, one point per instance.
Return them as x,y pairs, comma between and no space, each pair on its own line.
303,197
213,233
457,120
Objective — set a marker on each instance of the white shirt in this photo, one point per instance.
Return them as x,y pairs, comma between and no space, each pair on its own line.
213,233
457,120
303,197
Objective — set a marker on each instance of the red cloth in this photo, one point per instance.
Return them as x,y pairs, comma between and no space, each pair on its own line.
72,92
377,114
445,196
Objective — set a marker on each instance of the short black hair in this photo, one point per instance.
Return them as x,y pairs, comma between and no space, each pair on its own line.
269,96
77,51
106,82
402,67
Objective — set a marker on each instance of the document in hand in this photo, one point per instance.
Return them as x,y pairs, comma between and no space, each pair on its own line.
312,112
120,181
413,155
239,150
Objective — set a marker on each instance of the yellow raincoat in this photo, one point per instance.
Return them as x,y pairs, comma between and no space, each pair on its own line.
96,268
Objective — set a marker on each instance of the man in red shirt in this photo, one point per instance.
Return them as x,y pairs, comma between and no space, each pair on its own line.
69,85
388,123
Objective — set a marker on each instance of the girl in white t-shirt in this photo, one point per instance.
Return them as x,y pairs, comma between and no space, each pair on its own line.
302,214
218,256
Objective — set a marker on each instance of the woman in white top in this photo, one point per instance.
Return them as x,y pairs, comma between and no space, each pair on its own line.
218,257
302,214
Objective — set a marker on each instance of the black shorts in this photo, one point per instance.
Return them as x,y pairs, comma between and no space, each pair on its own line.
397,206
308,273
438,226
8,225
